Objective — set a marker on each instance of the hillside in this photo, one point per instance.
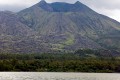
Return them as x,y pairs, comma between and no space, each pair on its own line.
67,26
57,27
16,37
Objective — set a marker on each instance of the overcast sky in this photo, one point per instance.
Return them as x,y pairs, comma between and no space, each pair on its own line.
110,8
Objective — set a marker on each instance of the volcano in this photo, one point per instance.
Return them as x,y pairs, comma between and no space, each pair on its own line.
61,26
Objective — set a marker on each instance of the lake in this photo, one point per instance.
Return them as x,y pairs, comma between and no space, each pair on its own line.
57,76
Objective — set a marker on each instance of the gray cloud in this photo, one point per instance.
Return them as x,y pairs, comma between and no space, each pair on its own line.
111,4
13,8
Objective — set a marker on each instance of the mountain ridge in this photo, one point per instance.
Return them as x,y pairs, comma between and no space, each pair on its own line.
62,6
63,27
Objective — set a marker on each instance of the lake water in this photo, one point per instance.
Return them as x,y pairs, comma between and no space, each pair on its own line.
57,76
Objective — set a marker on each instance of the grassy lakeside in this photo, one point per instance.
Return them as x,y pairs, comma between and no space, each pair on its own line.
58,63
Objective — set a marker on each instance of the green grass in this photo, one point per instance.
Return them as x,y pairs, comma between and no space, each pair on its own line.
70,40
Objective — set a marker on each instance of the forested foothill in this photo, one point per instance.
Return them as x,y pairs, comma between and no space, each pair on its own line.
80,61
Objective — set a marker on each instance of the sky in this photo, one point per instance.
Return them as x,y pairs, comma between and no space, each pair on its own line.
110,8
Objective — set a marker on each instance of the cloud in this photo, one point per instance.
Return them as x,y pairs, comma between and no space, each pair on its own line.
110,8
14,8
19,2
16,5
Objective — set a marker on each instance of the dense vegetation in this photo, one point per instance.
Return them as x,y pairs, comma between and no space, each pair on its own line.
58,63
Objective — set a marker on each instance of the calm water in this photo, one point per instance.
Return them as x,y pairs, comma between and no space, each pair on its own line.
56,76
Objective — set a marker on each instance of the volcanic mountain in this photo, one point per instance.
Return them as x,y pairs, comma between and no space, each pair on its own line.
67,26
59,26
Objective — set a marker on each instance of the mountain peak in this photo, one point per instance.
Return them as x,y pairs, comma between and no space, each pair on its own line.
63,7
77,2
44,5
42,2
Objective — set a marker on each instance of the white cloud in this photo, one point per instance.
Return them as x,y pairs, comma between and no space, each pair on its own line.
112,13
16,5
19,2
115,14
109,8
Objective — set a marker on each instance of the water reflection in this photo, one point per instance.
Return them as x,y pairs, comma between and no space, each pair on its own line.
56,76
